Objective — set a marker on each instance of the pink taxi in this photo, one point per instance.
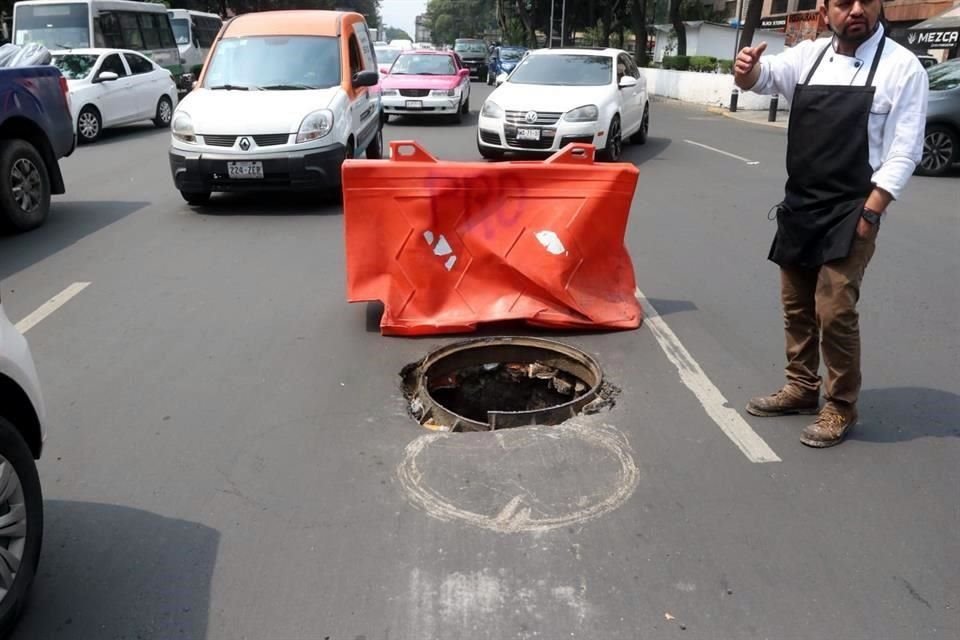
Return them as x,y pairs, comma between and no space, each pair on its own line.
426,83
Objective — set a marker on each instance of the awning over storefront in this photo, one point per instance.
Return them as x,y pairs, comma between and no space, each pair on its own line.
940,32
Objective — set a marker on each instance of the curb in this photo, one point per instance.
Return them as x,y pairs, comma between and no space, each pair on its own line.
726,113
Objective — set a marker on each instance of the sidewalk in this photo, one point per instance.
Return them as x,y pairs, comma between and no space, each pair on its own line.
754,117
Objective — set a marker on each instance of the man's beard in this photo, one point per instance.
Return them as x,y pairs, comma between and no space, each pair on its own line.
858,38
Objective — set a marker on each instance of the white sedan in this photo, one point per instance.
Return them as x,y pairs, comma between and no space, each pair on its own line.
111,87
558,96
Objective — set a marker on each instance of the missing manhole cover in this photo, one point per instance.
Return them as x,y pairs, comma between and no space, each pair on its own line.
497,383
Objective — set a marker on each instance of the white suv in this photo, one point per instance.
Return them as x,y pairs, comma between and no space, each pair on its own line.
284,98
21,502
558,96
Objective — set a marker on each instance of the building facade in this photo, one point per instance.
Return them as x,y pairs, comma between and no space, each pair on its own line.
800,19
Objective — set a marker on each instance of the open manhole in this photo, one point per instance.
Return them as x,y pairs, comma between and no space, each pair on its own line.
498,383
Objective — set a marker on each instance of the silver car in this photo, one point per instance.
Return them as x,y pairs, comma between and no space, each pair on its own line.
941,143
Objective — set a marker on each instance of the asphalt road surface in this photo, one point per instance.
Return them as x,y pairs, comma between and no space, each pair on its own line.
229,455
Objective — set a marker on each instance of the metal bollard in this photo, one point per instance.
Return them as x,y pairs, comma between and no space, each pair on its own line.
734,96
772,114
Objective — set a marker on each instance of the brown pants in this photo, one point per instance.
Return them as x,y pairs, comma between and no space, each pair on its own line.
820,311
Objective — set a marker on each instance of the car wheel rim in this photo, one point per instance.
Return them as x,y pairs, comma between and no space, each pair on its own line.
646,122
89,125
937,151
26,186
165,112
13,525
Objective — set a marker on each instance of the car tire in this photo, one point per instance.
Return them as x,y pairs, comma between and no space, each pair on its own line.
375,148
89,125
465,107
24,186
25,500
640,137
614,148
941,149
164,113
196,198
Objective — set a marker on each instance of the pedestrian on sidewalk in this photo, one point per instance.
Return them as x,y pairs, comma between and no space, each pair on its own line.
857,116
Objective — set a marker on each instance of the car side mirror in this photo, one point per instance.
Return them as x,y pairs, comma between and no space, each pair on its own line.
196,42
463,73
366,79
627,81
384,71
501,79
107,76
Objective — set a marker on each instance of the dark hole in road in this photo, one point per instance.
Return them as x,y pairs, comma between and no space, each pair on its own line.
497,383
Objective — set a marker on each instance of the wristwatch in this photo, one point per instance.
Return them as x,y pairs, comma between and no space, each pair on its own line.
871,216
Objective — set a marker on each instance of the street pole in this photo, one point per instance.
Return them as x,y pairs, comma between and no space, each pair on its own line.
553,5
735,93
563,23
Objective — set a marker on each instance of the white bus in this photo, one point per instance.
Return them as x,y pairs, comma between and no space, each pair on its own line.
118,24
195,33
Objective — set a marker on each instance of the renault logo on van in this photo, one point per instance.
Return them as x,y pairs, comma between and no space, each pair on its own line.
245,143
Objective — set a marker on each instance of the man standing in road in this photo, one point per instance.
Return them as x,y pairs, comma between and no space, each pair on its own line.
857,115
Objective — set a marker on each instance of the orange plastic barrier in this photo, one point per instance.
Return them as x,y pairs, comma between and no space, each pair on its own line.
448,245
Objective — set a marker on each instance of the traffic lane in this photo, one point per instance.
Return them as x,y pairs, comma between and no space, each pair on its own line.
230,390
127,160
249,493
701,244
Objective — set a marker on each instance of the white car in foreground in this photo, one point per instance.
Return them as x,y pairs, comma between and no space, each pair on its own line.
558,96
21,501
111,87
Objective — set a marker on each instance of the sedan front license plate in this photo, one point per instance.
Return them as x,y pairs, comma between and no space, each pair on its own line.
528,134
245,170
414,104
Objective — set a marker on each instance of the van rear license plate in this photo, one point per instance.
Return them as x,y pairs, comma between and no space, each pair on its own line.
245,170
528,134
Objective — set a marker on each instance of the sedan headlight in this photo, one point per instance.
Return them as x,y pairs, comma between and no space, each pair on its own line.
491,110
315,126
443,93
586,113
390,93
182,127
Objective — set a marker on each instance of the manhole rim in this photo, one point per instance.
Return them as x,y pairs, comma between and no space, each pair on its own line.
433,410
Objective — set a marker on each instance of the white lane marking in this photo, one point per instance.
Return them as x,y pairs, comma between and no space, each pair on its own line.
750,162
692,375
50,306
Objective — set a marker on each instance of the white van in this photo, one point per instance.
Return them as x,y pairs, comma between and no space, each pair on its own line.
195,33
284,99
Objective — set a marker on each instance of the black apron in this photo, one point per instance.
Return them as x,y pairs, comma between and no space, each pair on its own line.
828,169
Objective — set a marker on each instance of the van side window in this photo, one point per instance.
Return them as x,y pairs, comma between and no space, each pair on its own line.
366,47
356,62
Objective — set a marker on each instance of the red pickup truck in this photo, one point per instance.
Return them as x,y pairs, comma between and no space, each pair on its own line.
36,130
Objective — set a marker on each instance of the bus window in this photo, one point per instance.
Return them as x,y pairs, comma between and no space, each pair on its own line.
55,26
110,27
148,27
166,32
181,30
132,39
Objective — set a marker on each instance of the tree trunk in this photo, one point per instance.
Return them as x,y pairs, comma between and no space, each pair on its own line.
527,20
607,24
638,13
750,24
679,27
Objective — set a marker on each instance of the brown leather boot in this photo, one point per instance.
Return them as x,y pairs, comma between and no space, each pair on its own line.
831,427
785,402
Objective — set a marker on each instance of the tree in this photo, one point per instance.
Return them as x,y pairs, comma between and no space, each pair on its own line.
393,33
452,19
638,18
679,27
754,12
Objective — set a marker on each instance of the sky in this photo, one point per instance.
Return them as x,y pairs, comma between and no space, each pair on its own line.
401,13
